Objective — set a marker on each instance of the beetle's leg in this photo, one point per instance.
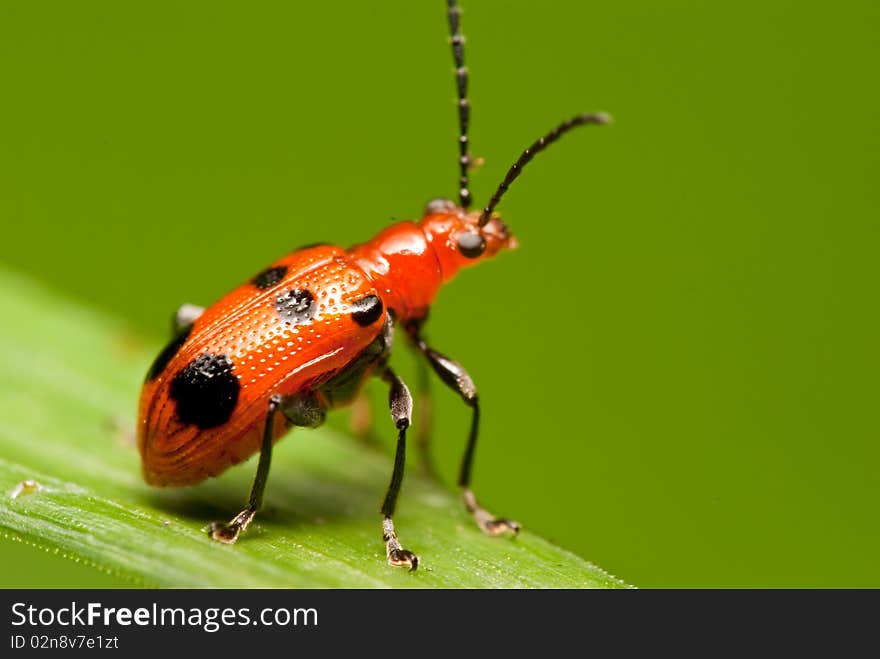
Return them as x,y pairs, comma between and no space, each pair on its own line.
455,377
304,410
229,533
401,413
185,316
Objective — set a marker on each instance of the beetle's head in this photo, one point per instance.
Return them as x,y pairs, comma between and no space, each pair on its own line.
458,239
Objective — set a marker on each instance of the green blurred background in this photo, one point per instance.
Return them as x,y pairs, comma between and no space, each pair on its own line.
679,367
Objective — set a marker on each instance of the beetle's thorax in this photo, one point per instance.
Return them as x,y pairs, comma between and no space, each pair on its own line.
409,261
403,267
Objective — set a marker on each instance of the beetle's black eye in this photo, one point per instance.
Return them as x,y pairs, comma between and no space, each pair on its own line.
471,245
439,206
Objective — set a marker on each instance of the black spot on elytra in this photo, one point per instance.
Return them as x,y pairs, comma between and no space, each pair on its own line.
296,306
205,391
167,354
367,310
269,277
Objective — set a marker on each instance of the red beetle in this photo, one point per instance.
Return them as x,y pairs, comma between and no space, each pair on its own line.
303,335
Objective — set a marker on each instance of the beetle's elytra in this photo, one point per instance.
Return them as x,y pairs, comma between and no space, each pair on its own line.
303,335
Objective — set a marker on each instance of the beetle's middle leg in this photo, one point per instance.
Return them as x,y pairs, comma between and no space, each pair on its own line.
304,410
361,421
401,413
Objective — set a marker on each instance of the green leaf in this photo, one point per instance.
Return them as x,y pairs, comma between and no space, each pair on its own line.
70,379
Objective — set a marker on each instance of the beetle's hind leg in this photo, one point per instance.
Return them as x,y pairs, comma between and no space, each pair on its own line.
185,316
229,533
401,413
304,410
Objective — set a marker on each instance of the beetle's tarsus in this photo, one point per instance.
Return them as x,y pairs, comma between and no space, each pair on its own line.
499,526
488,523
228,533
401,404
225,533
397,555
403,558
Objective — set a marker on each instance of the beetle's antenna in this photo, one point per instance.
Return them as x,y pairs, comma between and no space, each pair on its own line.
536,148
464,108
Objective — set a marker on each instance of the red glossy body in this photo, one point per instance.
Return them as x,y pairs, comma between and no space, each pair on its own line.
404,266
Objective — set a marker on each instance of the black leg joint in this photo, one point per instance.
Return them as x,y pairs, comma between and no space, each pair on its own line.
450,372
399,400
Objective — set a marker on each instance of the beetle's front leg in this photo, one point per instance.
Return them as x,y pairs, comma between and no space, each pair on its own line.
453,375
401,413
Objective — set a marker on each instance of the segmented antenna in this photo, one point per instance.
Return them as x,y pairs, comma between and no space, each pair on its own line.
464,108
532,151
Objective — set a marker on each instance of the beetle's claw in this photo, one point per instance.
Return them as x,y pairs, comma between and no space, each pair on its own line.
498,526
397,555
225,533
403,558
228,533
488,523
